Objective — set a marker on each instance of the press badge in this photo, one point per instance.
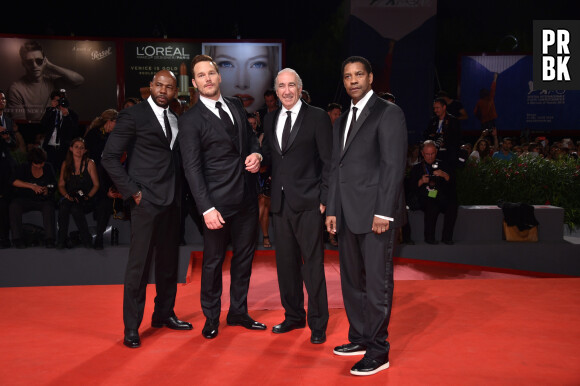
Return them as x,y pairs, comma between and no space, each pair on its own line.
432,193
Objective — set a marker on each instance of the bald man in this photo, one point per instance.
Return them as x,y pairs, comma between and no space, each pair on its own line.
148,133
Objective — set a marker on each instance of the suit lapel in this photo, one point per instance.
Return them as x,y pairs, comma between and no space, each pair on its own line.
273,136
238,121
216,123
297,124
360,120
159,130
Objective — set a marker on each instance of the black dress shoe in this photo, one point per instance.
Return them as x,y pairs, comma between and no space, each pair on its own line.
286,326
350,349
173,323
132,339
368,366
448,242
210,329
99,243
245,321
432,241
18,243
318,337
49,243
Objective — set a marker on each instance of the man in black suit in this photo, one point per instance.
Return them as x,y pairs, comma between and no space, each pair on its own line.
298,141
148,133
432,184
364,203
220,160
445,130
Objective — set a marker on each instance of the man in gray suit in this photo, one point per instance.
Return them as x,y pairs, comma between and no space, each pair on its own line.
364,204
148,133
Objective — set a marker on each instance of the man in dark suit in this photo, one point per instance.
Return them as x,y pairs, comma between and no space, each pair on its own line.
60,124
445,130
220,160
432,184
298,141
364,199
148,133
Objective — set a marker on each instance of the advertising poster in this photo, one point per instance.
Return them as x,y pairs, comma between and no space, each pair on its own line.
144,59
519,105
247,69
30,69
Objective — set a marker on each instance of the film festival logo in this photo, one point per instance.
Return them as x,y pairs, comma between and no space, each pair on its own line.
556,54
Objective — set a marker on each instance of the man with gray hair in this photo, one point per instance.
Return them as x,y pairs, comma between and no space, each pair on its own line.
298,145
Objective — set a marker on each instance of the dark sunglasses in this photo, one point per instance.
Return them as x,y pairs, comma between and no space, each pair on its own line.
38,61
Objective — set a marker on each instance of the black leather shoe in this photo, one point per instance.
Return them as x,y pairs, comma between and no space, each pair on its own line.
368,366
173,323
350,349
49,243
245,321
210,329
448,242
432,241
132,339
18,243
287,326
317,337
99,243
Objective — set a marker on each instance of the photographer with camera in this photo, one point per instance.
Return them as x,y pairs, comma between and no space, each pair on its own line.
445,131
35,184
432,183
78,183
59,124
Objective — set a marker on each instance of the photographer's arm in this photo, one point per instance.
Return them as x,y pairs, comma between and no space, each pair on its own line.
94,177
27,185
61,184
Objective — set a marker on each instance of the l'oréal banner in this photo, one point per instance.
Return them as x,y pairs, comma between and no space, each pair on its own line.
398,38
144,59
519,105
30,69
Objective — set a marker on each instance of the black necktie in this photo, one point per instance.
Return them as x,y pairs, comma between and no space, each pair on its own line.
286,131
168,131
226,119
351,126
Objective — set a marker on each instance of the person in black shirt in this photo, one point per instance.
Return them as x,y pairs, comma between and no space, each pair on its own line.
35,186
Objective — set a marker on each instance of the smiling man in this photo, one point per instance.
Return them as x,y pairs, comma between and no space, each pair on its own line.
365,197
148,133
298,141
220,160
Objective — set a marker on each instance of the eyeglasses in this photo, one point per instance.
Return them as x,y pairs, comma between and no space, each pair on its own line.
38,61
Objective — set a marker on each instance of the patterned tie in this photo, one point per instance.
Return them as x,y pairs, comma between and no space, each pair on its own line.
286,131
168,131
352,122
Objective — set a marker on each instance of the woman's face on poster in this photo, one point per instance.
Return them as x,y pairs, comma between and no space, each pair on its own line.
246,73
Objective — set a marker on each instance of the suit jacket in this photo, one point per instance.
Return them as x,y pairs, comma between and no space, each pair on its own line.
449,139
68,129
367,175
152,166
303,169
213,165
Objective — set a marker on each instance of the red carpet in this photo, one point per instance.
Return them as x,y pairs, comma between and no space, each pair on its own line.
505,331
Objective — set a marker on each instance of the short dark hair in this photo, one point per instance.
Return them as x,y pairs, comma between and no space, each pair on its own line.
387,96
203,58
357,59
442,94
55,93
270,92
332,106
36,155
30,46
441,101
